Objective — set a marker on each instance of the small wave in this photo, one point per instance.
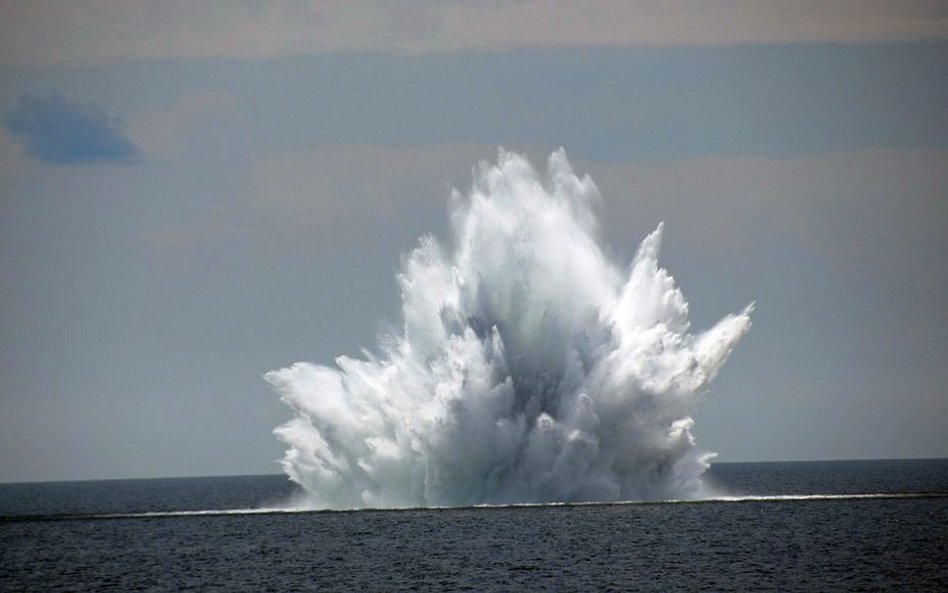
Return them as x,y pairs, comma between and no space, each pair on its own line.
149,514
756,498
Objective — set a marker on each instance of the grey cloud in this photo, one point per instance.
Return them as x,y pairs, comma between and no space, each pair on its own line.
94,31
54,130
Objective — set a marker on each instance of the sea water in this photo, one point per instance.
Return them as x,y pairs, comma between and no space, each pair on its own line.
850,526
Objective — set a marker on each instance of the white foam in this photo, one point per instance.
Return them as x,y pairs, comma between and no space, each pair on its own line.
530,368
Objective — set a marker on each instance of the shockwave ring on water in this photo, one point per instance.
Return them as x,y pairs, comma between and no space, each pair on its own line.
530,367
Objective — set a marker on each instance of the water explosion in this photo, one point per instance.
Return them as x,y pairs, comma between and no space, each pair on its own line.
530,368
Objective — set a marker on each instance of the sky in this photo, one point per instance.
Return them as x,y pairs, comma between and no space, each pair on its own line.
193,195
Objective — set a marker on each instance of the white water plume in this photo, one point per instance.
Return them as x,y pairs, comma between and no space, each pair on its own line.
531,368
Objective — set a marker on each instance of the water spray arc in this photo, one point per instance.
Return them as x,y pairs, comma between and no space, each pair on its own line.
531,368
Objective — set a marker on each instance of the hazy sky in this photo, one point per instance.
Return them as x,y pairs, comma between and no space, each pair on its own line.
192,196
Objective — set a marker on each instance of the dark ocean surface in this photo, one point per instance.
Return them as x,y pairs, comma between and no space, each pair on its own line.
831,534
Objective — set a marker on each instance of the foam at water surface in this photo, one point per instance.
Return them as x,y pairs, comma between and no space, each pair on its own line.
531,368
